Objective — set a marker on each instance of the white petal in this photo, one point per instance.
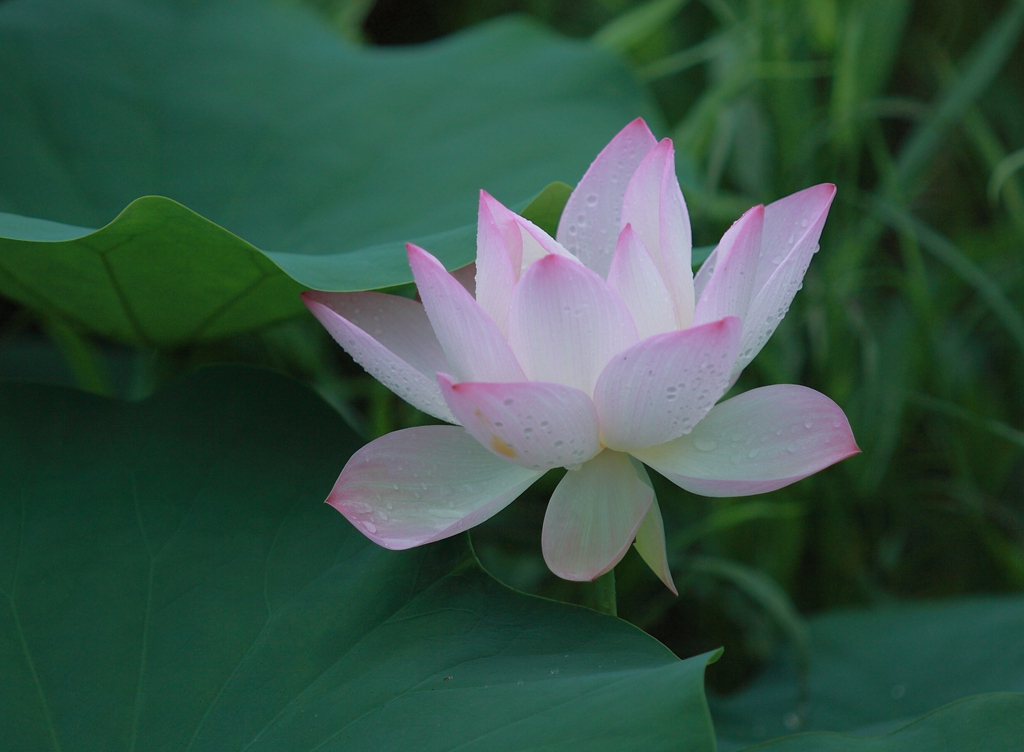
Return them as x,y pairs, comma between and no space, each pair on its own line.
423,484
654,206
565,323
391,338
661,387
592,217
756,442
535,424
729,290
496,273
594,514
638,282
650,544
792,227
471,340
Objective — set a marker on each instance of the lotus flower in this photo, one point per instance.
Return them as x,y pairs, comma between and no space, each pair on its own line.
597,351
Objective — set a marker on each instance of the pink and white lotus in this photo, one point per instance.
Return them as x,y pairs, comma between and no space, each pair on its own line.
597,351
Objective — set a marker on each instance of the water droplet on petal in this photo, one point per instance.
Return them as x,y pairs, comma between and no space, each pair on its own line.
705,443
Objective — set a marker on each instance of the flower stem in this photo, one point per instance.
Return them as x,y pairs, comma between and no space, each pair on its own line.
602,594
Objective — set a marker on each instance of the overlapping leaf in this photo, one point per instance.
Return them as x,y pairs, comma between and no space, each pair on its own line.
169,579
874,671
326,157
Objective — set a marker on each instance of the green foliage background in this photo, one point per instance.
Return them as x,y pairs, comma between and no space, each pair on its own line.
911,317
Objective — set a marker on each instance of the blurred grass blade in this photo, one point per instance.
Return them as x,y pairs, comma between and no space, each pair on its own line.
1009,165
984,62
730,516
632,27
769,595
871,36
952,410
943,250
680,61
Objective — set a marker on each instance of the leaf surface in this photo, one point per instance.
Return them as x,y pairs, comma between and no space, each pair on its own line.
171,580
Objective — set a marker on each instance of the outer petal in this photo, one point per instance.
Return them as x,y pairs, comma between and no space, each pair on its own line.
792,227
499,254
729,289
654,206
423,484
565,323
634,276
650,544
471,340
391,338
535,424
756,442
594,514
592,217
661,387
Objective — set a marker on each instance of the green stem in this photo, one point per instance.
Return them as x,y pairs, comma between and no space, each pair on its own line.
82,358
601,594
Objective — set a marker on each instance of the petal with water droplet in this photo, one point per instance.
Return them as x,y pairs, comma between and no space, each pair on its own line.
499,255
749,455
661,387
433,482
634,276
598,198
566,323
391,338
787,245
536,424
472,342
654,206
594,515
729,289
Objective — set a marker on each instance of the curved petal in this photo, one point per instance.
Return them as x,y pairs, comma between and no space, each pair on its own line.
535,424
661,387
729,289
565,323
792,224
792,227
471,340
638,282
654,206
391,338
756,442
499,254
592,217
650,544
594,514
423,484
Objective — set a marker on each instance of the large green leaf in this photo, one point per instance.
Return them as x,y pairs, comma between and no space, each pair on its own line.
986,723
169,579
325,156
873,671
